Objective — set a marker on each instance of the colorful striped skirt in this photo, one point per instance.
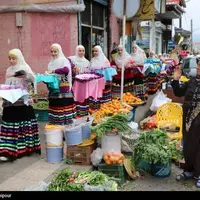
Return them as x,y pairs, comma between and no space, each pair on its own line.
82,109
116,87
19,132
153,83
140,88
107,97
61,111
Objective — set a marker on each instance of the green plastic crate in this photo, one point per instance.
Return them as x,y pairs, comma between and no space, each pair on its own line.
42,115
116,171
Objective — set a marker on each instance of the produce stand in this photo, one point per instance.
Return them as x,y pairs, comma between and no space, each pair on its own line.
117,171
41,110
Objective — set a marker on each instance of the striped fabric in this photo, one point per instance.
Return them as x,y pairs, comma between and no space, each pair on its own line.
116,89
62,115
82,109
19,137
153,83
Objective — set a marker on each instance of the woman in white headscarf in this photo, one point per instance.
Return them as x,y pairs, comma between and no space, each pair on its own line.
121,56
100,64
80,63
138,55
19,130
62,108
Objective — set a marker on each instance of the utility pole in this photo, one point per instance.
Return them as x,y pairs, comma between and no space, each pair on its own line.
191,35
180,22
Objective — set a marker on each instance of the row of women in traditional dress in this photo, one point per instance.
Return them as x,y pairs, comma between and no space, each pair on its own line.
19,134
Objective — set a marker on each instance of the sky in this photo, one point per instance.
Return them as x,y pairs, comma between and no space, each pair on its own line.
192,12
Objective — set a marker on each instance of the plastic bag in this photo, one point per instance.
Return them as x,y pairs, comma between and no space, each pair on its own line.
158,101
133,125
125,147
96,156
107,186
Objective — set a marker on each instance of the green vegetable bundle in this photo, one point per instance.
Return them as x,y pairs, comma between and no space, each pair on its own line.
64,181
41,105
117,123
154,147
78,181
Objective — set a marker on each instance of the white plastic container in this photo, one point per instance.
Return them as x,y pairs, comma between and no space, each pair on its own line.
111,143
53,136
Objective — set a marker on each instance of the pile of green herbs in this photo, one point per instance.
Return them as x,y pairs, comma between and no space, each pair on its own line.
67,180
154,147
115,124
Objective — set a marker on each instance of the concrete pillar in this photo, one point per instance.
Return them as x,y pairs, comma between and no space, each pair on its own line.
152,45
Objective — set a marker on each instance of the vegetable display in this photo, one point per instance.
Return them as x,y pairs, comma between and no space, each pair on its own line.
67,180
113,158
154,147
41,105
149,123
130,99
109,109
115,124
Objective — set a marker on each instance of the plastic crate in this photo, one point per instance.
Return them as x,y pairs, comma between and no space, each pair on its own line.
115,171
80,155
42,115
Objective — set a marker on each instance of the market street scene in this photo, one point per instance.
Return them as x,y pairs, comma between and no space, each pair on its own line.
99,95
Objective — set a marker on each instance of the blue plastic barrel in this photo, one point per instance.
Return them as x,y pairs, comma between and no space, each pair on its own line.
73,136
54,154
86,132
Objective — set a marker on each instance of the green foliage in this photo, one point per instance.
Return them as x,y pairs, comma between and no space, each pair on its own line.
154,147
117,122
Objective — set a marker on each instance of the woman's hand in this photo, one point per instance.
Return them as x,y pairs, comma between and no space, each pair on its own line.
9,75
177,74
50,71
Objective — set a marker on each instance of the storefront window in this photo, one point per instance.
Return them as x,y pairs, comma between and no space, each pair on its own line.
94,27
86,14
98,15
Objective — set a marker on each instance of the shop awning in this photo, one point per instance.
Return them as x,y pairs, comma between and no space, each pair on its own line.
61,7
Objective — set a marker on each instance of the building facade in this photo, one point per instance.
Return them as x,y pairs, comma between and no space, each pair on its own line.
157,34
34,32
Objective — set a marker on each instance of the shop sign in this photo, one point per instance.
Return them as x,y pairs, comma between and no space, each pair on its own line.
173,2
146,11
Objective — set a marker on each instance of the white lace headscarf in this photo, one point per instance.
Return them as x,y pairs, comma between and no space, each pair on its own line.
81,62
21,65
139,56
119,58
100,61
59,62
